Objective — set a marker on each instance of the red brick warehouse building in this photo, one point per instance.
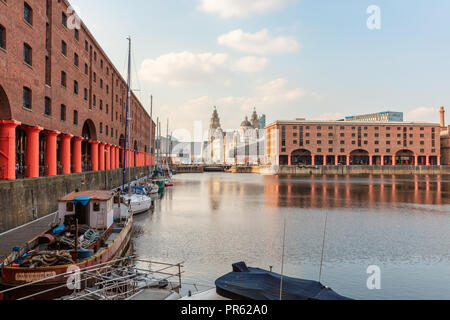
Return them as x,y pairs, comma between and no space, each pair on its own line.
301,142
62,102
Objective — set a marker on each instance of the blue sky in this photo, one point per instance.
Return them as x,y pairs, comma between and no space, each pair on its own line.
313,59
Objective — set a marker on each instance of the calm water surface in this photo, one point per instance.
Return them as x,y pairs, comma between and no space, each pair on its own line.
400,224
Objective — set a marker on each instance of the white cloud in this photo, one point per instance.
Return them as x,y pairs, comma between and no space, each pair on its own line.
428,114
250,64
178,69
185,67
278,90
272,98
260,42
240,8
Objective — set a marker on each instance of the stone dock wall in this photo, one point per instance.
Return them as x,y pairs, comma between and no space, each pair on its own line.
330,170
23,201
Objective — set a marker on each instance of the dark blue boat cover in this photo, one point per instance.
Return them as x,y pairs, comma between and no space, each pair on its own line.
246,283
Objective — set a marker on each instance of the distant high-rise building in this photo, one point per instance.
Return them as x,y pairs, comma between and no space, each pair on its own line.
262,122
387,116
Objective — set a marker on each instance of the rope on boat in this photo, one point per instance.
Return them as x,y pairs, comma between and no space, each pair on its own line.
48,259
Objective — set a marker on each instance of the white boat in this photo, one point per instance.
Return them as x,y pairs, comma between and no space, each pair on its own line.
152,188
138,200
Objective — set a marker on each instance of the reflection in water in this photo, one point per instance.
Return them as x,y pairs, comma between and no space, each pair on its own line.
369,192
401,224
215,190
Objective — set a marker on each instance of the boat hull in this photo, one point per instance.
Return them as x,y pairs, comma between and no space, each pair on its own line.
14,277
141,206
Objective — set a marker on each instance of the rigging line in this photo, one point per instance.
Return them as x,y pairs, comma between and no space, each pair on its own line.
323,245
137,75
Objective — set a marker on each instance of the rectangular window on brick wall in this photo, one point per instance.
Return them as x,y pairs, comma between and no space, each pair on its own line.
27,54
63,112
27,97
28,13
64,48
48,77
64,19
48,106
63,79
47,36
75,117
2,37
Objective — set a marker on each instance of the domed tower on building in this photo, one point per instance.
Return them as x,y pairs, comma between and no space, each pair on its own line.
215,120
255,120
215,136
245,125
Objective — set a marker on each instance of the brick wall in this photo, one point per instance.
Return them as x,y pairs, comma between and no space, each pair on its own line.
108,87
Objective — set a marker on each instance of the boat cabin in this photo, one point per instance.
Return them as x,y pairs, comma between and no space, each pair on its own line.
92,208
139,190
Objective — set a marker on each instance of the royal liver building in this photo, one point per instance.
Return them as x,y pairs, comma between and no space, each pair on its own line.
244,146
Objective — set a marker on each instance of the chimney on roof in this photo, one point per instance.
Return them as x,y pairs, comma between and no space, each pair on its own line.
442,117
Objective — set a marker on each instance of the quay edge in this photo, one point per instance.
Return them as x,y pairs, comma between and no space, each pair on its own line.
27,200
342,170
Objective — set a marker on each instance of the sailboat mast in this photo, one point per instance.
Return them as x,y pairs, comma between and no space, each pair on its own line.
126,117
167,143
159,142
129,116
151,133
160,145
170,147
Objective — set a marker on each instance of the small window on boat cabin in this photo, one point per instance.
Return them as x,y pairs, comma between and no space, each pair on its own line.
96,206
69,206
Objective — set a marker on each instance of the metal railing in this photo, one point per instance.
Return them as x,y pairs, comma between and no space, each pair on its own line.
118,279
21,171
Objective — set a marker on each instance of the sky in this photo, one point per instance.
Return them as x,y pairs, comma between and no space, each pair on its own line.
313,59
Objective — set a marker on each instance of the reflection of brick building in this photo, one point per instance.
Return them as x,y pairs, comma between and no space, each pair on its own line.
62,102
301,142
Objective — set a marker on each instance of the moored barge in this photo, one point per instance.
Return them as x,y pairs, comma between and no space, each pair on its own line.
103,232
